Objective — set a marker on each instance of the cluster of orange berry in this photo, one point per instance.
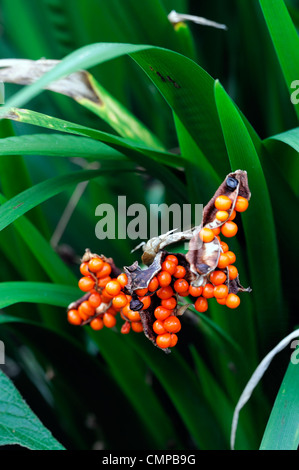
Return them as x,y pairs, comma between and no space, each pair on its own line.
225,268
104,298
107,294
165,285
102,289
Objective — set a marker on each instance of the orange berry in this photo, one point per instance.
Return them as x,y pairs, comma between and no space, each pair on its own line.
232,301
113,287
172,324
133,316
221,291
86,309
137,326
104,281
95,265
109,320
105,271
173,340
223,261
106,298
169,303
181,286
165,292
233,215
163,341
206,235
126,327
74,317
86,283
229,229
122,279
97,324
208,291
232,272
95,299
126,309
141,292
223,203
172,258
119,301
169,266
164,278
159,328
162,313
221,301
180,272
146,302
195,291
84,269
112,311
153,285
216,231
217,277
83,315
201,304
241,204
224,247
222,215
232,257
184,294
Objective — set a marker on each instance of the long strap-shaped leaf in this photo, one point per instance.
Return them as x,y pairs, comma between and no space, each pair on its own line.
147,158
36,292
41,192
122,145
282,431
285,40
23,202
185,86
290,137
255,379
58,145
53,265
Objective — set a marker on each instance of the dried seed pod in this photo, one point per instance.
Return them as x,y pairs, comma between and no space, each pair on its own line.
140,278
156,244
206,253
203,257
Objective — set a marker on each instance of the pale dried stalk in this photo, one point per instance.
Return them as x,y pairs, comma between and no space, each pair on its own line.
175,17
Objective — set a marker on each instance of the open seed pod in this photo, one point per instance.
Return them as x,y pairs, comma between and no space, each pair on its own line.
151,293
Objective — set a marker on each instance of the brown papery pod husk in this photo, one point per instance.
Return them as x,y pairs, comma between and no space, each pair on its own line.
203,257
139,278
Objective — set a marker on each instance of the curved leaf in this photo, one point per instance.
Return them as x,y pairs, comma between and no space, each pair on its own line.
175,76
285,39
37,292
282,431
